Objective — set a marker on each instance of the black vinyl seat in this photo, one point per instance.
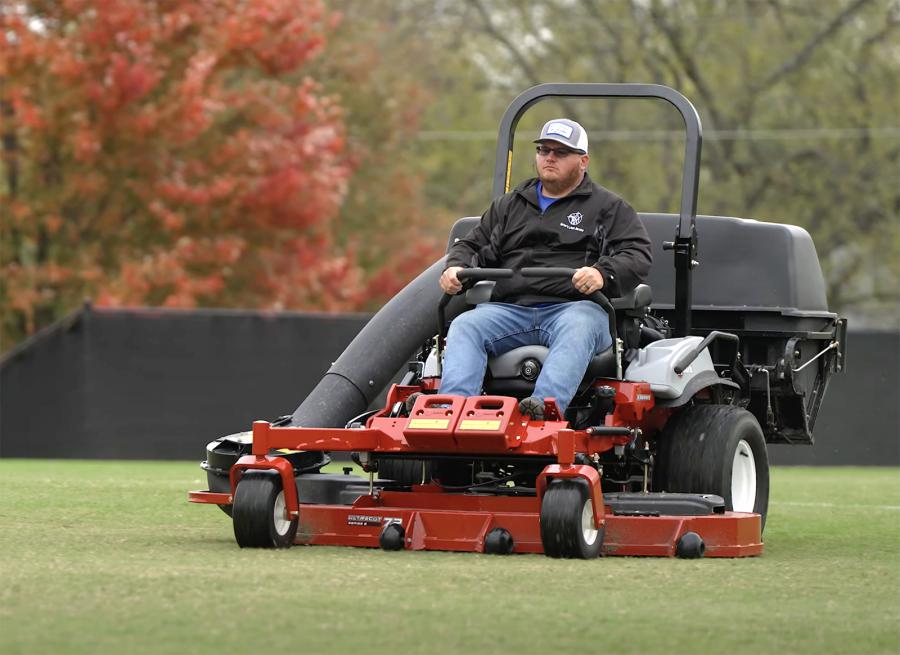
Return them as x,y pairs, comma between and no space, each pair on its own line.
514,373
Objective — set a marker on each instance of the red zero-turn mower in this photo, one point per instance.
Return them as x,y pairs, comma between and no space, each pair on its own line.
662,451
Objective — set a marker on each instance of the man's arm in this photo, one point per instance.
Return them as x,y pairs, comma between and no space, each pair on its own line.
625,261
480,247
477,248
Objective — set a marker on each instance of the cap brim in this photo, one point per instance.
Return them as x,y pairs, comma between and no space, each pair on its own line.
562,143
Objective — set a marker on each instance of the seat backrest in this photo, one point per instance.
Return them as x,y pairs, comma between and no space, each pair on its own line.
780,259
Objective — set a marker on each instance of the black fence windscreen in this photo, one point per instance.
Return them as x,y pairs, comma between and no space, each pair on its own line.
157,384
160,384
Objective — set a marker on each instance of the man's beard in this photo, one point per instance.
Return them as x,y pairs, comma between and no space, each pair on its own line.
561,184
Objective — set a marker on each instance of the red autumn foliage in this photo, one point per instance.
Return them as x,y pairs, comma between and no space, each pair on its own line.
172,152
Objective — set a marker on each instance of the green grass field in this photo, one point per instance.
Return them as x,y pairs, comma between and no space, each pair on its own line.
109,557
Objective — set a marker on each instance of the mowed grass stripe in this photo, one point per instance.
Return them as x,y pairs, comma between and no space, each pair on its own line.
109,557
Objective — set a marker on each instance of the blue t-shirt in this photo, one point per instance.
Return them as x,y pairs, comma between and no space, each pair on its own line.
544,201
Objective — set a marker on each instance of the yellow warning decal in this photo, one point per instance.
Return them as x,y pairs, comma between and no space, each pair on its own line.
287,451
472,424
429,423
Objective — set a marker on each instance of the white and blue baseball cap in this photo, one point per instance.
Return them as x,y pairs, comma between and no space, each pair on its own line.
569,133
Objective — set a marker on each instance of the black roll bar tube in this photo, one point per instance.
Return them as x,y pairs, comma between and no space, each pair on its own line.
684,246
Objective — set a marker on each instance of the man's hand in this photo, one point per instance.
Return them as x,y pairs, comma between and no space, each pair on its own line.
449,282
587,280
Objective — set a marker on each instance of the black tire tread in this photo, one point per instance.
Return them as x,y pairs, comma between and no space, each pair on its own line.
561,509
402,471
695,451
254,500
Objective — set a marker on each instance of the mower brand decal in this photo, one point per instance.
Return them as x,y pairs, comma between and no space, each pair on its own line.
644,396
429,423
563,130
472,424
363,519
367,520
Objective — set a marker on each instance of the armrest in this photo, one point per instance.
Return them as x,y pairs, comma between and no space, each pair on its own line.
480,292
639,298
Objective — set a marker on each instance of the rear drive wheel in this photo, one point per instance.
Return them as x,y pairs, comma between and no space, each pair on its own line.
567,521
716,449
259,513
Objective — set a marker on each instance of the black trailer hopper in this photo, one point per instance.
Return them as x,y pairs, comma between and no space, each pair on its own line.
762,282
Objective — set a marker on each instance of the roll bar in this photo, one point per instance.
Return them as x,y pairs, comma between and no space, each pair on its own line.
685,244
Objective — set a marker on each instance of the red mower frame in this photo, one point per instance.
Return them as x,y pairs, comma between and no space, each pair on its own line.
427,517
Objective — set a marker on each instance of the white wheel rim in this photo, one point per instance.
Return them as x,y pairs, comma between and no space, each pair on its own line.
743,478
588,531
282,525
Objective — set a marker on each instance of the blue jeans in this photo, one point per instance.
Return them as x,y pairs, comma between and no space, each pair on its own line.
573,331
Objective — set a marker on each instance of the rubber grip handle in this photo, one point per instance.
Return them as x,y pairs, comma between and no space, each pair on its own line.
478,274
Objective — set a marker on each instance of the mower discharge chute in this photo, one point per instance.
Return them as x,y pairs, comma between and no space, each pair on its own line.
662,451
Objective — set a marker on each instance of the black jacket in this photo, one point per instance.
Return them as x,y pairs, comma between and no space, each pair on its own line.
591,226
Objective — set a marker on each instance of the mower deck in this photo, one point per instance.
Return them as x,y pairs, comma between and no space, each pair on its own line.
434,520
352,511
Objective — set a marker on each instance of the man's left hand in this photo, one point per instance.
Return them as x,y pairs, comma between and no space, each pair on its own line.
587,280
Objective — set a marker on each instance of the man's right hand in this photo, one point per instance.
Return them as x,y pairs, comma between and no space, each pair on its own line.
449,282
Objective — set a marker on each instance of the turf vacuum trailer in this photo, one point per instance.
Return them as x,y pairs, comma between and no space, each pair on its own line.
662,452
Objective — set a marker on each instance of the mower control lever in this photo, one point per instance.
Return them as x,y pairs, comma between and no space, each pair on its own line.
479,274
476,275
598,296
550,271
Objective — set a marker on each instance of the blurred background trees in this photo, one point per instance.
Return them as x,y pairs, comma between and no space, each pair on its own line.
169,153
311,155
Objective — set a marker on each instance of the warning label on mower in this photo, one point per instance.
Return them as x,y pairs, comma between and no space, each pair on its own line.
472,424
429,423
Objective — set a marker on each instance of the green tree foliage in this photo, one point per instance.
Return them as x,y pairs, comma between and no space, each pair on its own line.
798,101
378,65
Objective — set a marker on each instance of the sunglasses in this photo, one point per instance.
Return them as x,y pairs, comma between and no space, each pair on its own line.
559,153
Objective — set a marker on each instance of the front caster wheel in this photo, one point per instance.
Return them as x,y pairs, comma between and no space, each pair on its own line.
567,521
260,519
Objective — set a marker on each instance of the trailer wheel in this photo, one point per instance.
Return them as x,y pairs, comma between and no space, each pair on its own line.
259,513
404,471
567,521
716,449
